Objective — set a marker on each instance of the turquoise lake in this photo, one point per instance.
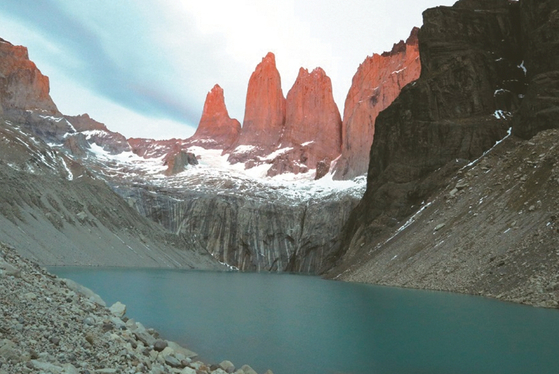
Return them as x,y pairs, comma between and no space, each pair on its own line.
301,324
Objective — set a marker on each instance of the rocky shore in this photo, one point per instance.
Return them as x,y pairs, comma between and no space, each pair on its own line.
56,326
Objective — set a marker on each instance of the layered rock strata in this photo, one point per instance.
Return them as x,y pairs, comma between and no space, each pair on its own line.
375,85
250,231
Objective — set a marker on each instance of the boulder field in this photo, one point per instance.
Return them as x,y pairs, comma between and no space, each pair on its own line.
54,325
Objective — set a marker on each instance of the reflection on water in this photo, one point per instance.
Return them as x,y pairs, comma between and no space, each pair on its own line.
300,324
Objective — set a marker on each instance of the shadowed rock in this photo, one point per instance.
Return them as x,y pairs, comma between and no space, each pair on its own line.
377,82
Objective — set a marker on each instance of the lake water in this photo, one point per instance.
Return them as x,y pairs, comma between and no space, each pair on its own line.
296,324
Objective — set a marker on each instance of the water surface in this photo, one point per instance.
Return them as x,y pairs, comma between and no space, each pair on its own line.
301,324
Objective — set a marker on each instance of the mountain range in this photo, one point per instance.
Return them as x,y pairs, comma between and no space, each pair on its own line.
440,174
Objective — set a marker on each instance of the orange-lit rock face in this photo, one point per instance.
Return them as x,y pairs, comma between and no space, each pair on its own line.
312,115
312,125
265,108
22,86
216,129
378,81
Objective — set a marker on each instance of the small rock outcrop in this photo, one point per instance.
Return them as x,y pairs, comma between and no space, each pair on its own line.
22,85
177,162
264,113
95,133
378,81
216,129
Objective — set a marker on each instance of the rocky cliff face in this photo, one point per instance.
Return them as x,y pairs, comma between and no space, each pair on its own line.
378,81
475,86
253,230
264,113
216,129
22,86
312,130
539,21
469,54
24,94
293,134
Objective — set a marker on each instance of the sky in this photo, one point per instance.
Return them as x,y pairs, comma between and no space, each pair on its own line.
144,67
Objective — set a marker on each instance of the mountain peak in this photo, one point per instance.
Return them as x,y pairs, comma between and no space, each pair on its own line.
264,109
216,129
22,85
312,124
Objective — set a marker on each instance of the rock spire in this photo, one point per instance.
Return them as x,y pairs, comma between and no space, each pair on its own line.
264,110
216,129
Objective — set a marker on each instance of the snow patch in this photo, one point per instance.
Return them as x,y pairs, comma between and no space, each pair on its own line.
509,132
52,118
500,90
521,66
275,154
244,148
91,133
129,161
408,222
70,175
501,114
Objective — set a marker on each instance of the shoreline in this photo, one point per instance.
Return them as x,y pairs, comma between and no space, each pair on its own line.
55,325
340,278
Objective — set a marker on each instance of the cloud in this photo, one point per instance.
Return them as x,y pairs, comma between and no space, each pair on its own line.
158,59
110,52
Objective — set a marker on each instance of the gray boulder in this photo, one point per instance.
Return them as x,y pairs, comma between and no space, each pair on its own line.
118,309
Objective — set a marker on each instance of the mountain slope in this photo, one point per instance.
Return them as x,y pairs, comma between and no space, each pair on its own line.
52,208
485,227
57,213
492,231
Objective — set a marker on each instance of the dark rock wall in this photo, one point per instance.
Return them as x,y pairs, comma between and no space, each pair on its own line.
540,37
471,57
248,232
